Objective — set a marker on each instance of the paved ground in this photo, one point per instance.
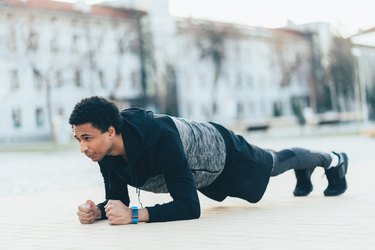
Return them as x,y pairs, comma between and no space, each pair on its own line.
40,191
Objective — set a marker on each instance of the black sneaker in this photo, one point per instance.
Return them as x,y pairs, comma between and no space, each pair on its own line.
304,185
336,177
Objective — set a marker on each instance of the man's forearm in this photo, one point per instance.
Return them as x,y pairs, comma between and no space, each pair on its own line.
143,215
174,210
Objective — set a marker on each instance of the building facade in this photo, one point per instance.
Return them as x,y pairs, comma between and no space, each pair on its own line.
364,53
53,54
240,75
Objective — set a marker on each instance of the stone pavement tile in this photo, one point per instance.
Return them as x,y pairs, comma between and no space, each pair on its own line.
279,221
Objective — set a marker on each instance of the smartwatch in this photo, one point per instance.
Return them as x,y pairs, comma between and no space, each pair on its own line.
134,215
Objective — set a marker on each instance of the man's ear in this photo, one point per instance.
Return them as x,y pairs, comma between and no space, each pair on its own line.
111,131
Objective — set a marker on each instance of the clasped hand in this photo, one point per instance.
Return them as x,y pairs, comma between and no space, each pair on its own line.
116,211
88,212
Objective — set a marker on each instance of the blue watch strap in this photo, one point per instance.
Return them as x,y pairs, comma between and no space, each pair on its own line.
134,215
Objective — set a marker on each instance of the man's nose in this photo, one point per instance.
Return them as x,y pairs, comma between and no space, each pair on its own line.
83,146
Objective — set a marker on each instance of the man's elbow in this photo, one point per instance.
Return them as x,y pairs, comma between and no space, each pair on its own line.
197,214
195,211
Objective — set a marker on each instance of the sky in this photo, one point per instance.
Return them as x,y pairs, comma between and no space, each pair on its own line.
347,15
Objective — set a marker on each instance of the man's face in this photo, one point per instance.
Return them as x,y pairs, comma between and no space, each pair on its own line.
93,143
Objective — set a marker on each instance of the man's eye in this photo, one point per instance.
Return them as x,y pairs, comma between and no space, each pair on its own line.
87,139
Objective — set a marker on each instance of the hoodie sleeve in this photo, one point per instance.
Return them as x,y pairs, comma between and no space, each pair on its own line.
180,183
115,189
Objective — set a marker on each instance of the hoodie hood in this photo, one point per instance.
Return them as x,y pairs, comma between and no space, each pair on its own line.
135,129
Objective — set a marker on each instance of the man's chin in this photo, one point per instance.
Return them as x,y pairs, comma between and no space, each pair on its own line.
96,158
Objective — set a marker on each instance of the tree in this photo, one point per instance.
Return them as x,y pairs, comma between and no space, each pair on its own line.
210,39
84,57
342,74
171,106
288,58
370,94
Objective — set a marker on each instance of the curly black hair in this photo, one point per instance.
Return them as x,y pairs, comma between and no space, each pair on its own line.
98,111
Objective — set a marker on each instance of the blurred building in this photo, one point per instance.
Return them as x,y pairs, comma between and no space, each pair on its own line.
364,52
133,51
232,74
337,87
240,75
237,74
52,54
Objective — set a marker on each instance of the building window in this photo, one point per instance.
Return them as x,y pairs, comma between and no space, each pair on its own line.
38,79
251,107
189,110
120,46
202,79
16,117
60,112
239,80
214,108
78,78
54,43
14,80
240,110
12,39
250,82
58,79
75,41
32,42
263,107
99,43
101,79
135,76
118,80
39,117
55,36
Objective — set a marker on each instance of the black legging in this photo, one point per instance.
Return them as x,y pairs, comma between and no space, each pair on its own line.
298,158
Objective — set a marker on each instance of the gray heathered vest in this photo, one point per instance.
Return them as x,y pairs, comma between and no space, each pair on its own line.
205,153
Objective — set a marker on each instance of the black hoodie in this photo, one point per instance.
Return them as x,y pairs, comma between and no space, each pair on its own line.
153,147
